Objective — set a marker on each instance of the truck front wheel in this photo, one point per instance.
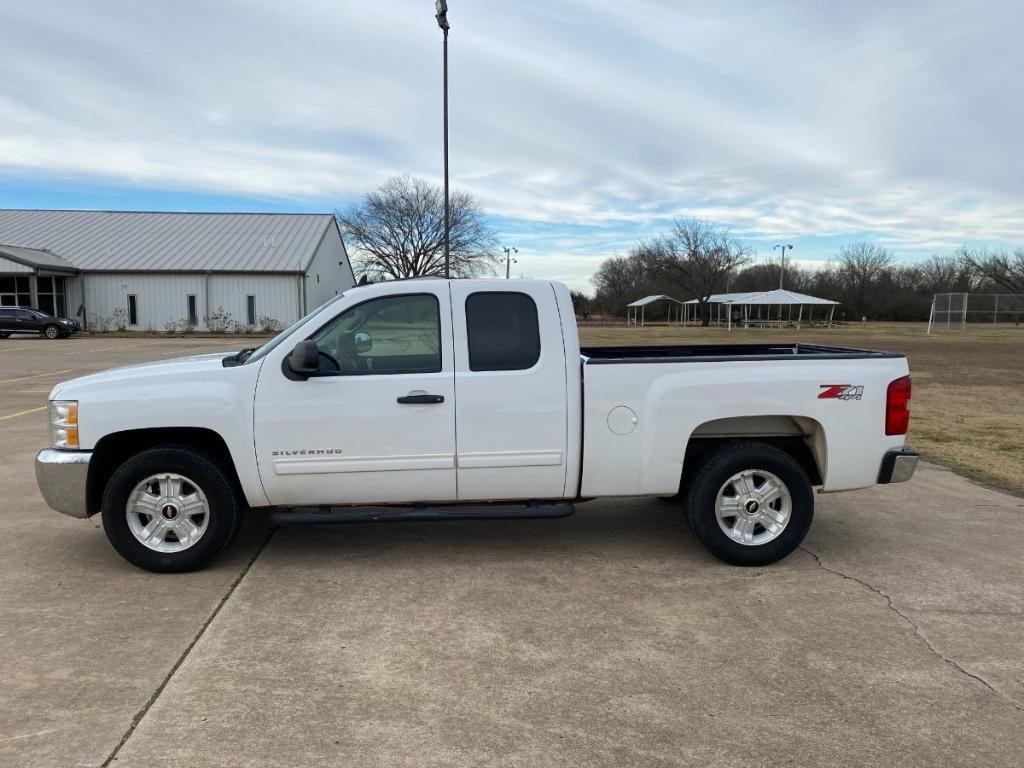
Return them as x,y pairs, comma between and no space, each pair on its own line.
170,509
749,503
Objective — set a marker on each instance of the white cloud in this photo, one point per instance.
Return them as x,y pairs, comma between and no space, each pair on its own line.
897,121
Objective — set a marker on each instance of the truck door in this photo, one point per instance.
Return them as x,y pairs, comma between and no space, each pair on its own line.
510,391
376,424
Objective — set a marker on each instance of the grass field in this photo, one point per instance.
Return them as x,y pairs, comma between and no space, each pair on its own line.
968,403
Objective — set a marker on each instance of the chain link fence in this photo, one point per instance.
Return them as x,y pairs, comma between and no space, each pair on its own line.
953,311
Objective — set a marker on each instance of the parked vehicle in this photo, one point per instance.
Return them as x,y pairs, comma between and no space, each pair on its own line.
25,320
469,398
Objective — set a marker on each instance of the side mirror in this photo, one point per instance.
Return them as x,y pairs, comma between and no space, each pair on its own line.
363,342
302,362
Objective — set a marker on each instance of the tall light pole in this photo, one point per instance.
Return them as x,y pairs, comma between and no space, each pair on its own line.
441,8
782,264
509,250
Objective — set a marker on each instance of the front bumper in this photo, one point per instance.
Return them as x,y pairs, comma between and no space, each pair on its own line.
898,465
61,476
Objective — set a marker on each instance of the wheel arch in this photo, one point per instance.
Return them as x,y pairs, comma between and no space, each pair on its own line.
801,437
113,450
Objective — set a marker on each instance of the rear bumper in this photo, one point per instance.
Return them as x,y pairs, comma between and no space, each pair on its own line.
898,465
61,476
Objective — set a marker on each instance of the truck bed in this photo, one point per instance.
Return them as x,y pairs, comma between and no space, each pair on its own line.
725,352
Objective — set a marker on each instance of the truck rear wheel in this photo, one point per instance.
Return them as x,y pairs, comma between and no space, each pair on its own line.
749,503
170,509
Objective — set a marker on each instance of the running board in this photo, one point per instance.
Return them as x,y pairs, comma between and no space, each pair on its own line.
330,516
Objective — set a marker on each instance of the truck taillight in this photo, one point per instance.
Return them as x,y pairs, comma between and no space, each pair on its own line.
897,406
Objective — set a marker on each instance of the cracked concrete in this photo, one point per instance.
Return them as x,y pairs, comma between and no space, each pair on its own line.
611,638
917,630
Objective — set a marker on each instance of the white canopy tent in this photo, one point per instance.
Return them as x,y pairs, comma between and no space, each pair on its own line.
636,311
781,298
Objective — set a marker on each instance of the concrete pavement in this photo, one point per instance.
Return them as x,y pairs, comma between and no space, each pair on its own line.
894,637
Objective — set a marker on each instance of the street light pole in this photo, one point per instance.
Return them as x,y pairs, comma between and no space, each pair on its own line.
441,8
782,263
509,250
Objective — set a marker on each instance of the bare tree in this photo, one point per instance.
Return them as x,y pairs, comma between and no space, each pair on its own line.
1000,267
397,231
696,255
619,280
860,266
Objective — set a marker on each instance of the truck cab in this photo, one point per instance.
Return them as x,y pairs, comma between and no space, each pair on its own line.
412,402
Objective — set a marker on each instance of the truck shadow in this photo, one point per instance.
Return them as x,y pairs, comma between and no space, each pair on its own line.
644,531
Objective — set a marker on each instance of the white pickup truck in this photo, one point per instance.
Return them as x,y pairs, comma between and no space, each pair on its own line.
429,398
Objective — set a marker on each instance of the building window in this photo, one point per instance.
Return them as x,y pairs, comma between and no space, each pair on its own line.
50,295
503,331
250,310
193,314
133,310
15,292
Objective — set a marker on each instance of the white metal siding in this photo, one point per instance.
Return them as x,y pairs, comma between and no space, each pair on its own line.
73,296
329,273
161,298
277,296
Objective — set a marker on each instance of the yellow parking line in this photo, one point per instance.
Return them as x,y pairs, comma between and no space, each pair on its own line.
35,376
23,413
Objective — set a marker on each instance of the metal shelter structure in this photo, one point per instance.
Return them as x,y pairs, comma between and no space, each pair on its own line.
636,311
765,309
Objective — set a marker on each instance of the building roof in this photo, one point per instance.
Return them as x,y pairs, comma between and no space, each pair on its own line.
651,299
124,241
35,257
777,296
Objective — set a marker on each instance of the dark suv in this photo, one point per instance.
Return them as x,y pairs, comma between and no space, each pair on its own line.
25,320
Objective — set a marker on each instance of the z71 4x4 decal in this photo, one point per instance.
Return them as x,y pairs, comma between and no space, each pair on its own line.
841,392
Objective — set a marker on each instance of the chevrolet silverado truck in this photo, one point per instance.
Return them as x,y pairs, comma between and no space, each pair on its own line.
438,399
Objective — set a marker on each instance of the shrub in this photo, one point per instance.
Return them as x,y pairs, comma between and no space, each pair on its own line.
120,318
219,321
269,324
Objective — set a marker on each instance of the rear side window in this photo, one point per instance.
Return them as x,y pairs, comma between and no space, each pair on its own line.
503,331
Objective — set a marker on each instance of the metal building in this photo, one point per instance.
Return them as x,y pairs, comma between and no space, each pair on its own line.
152,271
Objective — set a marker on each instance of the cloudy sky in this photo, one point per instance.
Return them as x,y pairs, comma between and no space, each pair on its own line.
582,126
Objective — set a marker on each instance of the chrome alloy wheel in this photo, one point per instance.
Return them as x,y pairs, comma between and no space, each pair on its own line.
167,512
753,507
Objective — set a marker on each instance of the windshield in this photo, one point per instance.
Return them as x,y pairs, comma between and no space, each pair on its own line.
270,345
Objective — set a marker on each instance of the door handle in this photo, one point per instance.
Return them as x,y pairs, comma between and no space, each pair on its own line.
421,399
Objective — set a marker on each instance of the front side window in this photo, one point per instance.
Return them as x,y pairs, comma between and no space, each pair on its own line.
503,331
389,335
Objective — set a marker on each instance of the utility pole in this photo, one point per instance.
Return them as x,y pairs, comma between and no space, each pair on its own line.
782,263
509,250
441,8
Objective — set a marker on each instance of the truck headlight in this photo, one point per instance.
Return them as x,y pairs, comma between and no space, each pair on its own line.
63,423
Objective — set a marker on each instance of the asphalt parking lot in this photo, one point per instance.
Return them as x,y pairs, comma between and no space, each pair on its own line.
893,637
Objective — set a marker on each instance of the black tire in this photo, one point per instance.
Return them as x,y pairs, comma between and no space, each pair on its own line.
51,331
709,479
224,501
4,334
